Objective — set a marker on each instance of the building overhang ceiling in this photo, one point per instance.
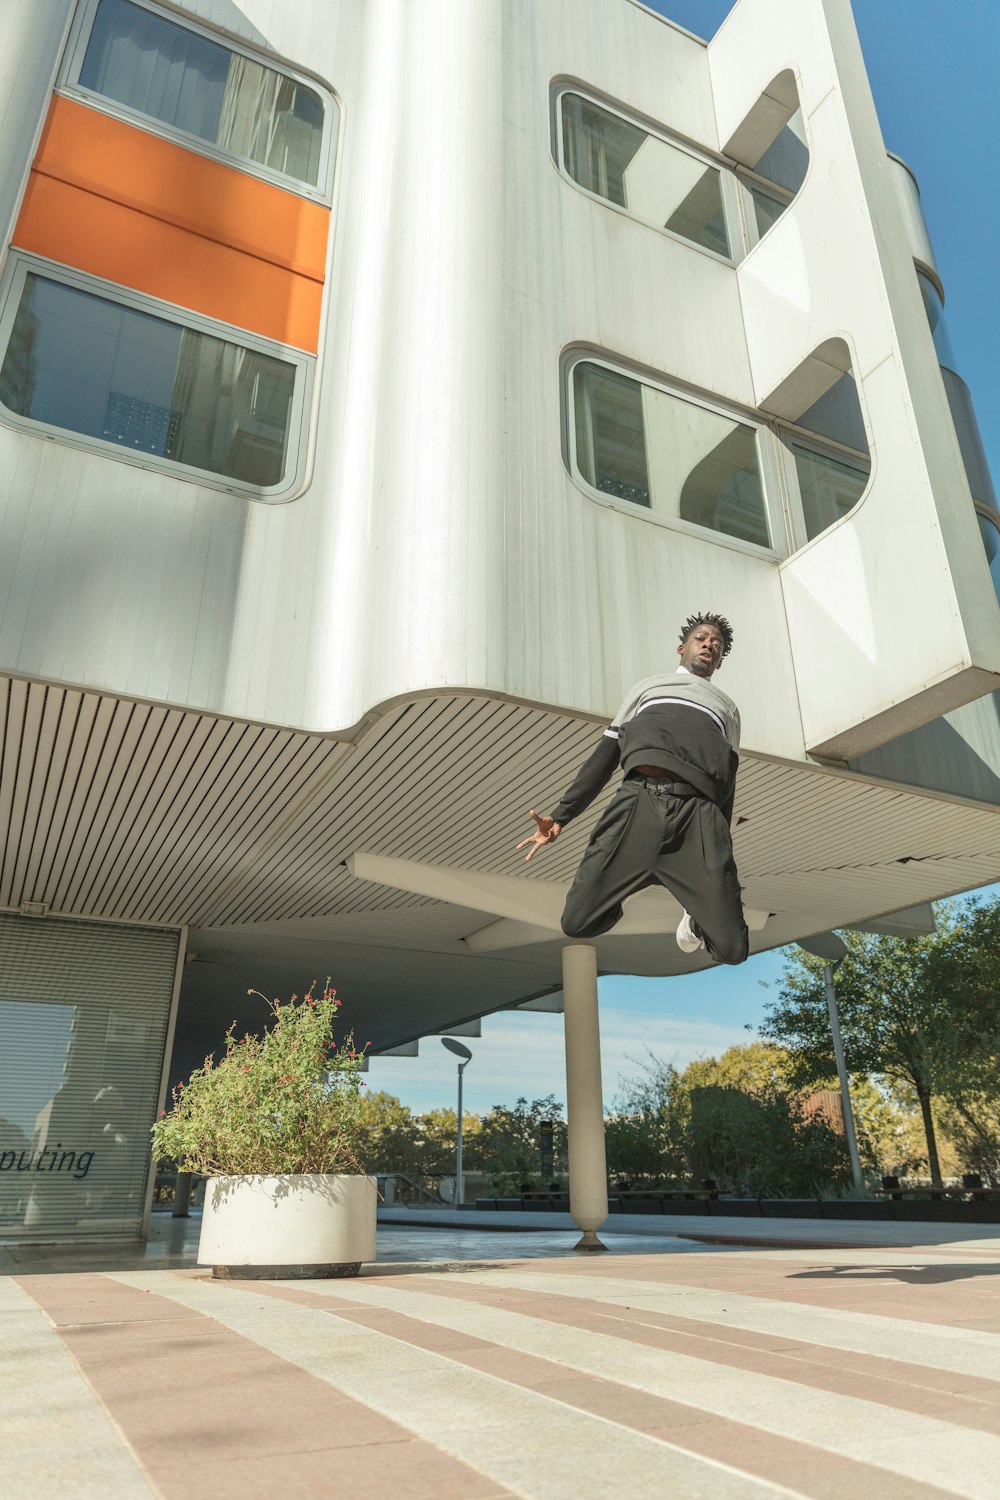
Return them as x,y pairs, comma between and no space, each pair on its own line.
258,839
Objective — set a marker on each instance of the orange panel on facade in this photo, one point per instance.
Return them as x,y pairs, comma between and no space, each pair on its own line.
120,244
111,199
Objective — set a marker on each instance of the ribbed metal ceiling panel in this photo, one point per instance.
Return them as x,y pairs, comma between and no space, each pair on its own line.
141,812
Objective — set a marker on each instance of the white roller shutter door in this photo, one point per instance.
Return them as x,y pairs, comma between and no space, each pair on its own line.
84,1008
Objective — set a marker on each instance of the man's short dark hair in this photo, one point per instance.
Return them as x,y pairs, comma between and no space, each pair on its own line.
721,624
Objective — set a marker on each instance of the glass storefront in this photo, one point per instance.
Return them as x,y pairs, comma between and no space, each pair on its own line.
84,1009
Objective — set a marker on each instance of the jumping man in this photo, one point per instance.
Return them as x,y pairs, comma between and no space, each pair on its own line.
677,739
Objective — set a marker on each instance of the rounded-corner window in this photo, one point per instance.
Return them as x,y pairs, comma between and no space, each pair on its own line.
653,179
128,377
672,455
770,180
829,462
179,79
829,484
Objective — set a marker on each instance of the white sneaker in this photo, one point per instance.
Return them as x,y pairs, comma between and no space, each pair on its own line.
689,939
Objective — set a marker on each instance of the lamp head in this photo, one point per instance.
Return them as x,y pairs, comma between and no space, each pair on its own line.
825,945
459,1048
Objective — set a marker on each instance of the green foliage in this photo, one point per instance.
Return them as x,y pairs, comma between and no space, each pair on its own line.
287,1102
388,1136
753,1067
887,1123
644,1133
924,1012
762,1144
736,1119
507,1144
973,1122
440,1129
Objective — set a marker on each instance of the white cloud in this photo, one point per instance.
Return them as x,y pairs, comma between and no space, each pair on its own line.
523,1054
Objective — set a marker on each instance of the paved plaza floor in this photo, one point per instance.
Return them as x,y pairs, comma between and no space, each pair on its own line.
814,1360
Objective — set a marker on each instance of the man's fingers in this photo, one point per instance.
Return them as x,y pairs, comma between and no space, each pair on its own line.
544,834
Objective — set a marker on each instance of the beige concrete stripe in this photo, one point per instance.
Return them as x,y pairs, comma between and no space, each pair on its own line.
924,1449
541,1448
799,1465
56,1437
956,1350
970,1401
210,1413
926,1291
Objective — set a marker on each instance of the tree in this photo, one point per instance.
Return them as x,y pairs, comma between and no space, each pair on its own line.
973,1122
747,1126
508,1141
642,1138
762,1142
923,1011
389,1137
734,1118
440,1132
754,1067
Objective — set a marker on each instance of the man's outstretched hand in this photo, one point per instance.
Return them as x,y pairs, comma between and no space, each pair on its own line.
546,832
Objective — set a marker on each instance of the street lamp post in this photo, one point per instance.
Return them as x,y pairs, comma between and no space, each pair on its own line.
833,950
460,1050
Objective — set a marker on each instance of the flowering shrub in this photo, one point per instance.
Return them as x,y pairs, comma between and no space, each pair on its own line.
286,1102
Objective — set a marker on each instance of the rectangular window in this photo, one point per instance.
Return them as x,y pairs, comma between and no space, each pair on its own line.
764,208
640,443
182,79
610,443
658,182
106,369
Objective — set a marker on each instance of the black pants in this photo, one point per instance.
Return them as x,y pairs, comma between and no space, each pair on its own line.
659,831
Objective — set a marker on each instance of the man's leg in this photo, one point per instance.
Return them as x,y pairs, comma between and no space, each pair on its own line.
696,864
619,860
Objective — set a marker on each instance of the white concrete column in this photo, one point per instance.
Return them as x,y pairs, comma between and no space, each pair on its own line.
588,1178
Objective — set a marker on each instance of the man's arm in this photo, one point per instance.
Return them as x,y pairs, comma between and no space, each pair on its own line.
726,806
593,775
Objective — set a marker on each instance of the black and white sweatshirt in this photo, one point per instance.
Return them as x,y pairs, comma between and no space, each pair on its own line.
678,721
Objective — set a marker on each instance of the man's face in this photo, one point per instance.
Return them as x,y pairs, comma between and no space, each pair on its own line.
701,653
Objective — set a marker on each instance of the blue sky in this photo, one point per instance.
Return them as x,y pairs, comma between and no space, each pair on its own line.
932,69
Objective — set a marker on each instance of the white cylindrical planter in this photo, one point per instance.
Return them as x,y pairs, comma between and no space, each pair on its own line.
588,1174
285,1228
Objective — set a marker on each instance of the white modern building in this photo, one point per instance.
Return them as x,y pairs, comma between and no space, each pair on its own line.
362,441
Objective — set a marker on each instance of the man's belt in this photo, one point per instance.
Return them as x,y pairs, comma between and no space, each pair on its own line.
665,782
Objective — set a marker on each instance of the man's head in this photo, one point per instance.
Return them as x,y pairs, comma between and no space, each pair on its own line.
705,640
